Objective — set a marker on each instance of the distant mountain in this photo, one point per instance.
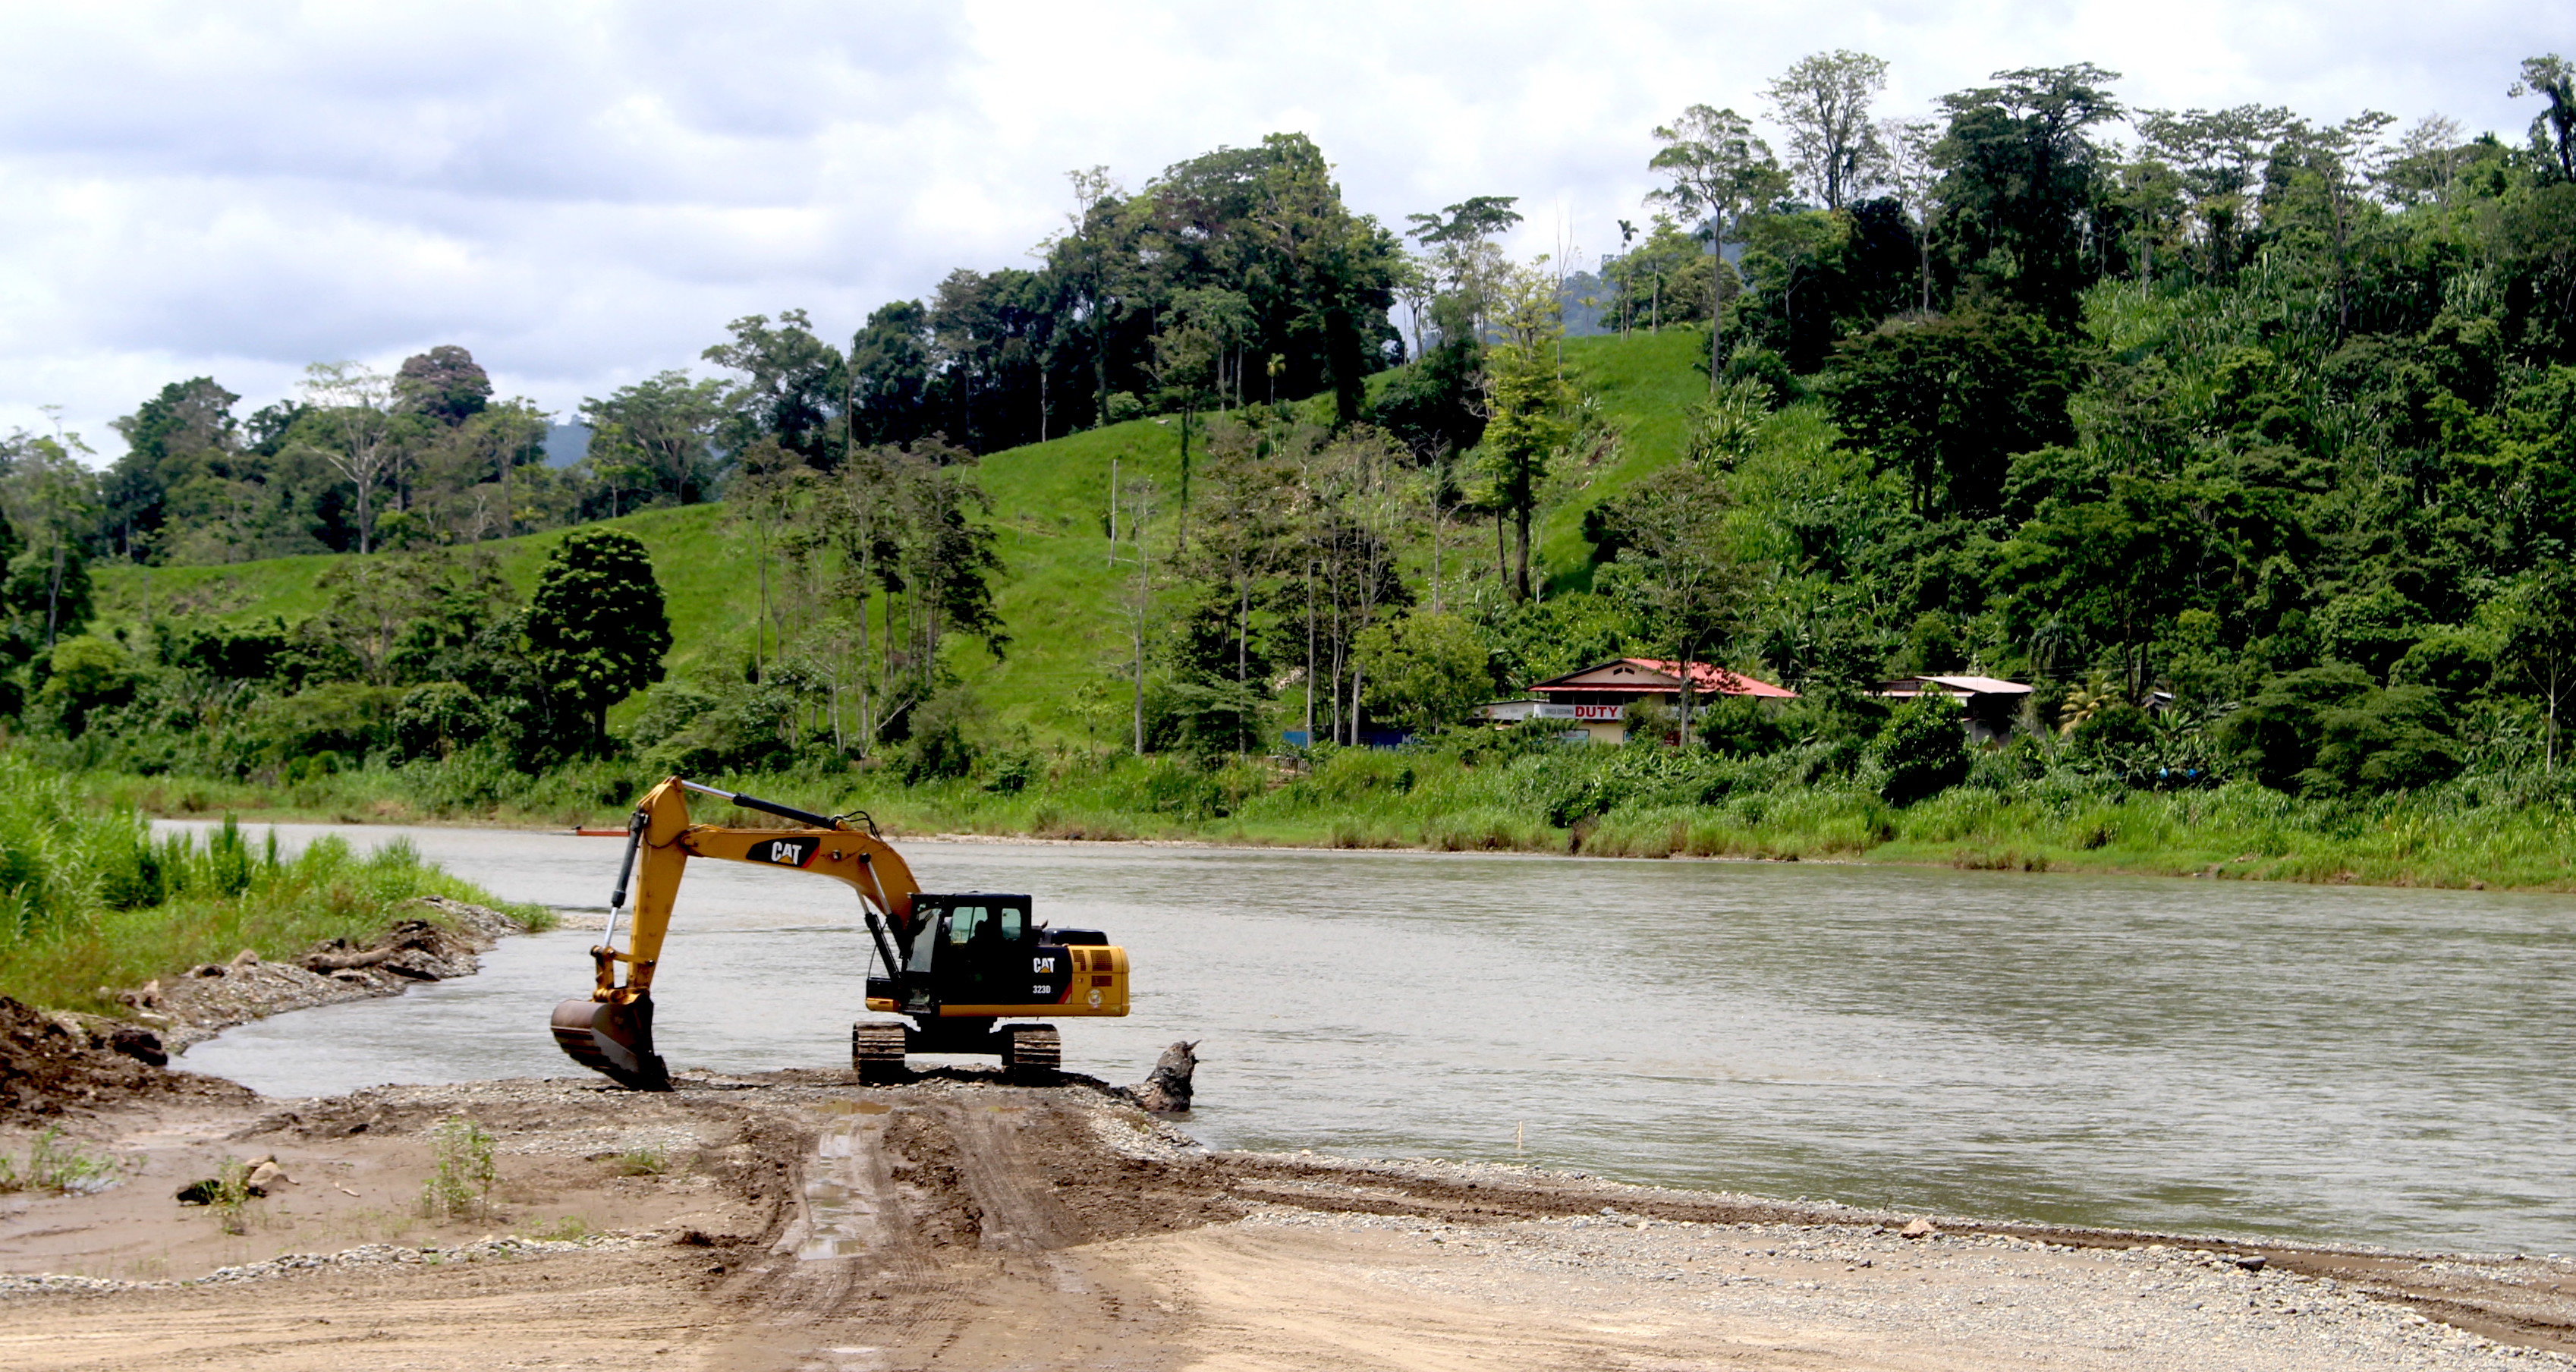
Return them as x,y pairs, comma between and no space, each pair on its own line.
566,444
1583,297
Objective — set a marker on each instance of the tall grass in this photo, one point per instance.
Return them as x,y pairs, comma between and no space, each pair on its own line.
91,901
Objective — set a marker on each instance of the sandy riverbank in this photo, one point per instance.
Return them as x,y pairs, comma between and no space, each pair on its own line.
795,1220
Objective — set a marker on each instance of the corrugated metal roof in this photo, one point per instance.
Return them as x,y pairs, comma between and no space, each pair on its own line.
1963,685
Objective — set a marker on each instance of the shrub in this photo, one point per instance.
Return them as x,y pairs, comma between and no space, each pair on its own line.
1010,773
462,1172
436,719
89,675
2391,740
743,728
2274,737
1425,670
2108,734
2454,663
2329,731
231,1195
1204,718
345,717
939,748
1925,750
1742,727
641,1162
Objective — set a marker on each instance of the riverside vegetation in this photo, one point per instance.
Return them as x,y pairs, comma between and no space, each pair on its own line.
92,902
2249,439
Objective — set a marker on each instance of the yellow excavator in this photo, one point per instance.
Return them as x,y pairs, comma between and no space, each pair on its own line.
954,964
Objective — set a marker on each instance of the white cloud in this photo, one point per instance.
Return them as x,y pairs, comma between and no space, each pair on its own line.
585,193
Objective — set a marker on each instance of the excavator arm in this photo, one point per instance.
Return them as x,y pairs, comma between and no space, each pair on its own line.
612,1031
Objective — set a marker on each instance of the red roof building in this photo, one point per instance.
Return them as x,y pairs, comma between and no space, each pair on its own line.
1594,701
1624,679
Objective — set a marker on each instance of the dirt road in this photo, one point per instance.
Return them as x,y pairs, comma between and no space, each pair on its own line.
795,1221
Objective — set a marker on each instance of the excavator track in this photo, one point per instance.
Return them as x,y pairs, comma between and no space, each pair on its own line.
1033,1054
876,1050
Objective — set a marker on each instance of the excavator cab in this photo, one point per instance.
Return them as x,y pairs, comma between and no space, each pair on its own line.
953,965
977,957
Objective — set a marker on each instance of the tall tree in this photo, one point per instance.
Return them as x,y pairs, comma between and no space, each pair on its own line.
445,383
1719,172
1135,505
1824,102
2540,645
597,629
2428,161
1341,268
1087,259
1911,172
353,405
2327,171
1526,399
184,433
1948,401
791,386
2112,570
2220,157
664,428
999,370
2553,130
2024,178
1185,359
1462,258
888,384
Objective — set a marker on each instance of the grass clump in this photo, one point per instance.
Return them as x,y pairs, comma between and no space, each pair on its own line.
462,1171
640,1162
57,1168
232,1196
569,1229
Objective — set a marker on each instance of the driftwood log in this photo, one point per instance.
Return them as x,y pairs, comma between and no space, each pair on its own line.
410,936
1167,1089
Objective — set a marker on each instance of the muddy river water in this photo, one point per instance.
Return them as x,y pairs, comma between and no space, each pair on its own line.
2361,1065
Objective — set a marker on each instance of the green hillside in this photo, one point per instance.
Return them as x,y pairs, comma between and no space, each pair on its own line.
1049,501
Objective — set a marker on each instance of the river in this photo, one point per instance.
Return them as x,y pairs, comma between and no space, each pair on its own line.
2329,1063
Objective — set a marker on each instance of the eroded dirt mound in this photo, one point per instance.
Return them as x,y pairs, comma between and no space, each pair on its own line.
207,999
50,1064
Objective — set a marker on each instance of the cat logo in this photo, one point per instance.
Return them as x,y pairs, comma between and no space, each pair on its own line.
787,852
1042,966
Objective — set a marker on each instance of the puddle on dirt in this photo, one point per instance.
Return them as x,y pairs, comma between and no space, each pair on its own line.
840,1206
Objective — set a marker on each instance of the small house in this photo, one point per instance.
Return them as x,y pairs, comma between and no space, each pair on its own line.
1990,704
1594,702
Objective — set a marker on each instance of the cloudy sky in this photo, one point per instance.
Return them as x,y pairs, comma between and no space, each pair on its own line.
585,193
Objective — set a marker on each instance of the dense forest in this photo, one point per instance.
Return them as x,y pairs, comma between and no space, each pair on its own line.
2249,438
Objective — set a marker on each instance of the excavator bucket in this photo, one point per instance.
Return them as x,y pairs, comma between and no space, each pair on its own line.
613,1040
